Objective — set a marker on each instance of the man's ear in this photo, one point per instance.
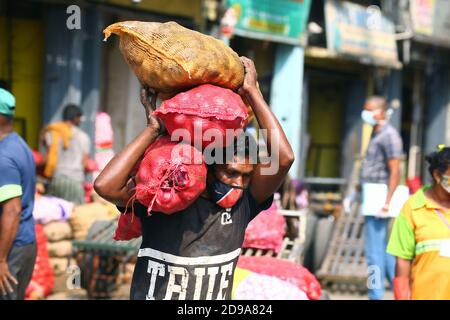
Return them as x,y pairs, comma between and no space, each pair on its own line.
437,176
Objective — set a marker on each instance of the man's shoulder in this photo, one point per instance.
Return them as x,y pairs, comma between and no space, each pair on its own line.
82,136
389,135
12,146
390,130
80,132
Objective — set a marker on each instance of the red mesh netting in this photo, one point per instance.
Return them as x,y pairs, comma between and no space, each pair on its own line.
202,108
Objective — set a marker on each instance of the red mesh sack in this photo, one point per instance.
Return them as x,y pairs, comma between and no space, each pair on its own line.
38,157
284,270
128,227
170,177
202,108
42,280
266,231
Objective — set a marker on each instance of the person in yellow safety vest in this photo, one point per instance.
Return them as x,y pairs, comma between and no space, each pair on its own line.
420,237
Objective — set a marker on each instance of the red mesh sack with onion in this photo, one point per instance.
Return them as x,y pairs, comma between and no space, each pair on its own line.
266,231
284,270
42,280
171,176
128,227
205,113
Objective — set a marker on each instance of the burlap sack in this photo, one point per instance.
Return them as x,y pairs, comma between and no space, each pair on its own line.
57,231
83,216
59,265
170,58
59,249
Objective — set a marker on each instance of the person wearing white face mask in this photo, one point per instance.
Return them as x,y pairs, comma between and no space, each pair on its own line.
380,171
420,237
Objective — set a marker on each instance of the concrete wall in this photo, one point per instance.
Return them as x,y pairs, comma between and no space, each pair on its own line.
27,70
183,8
122,99
72,65
437,109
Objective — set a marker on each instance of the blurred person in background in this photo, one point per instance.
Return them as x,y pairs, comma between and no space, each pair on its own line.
380,168
17,187
420,237
66,156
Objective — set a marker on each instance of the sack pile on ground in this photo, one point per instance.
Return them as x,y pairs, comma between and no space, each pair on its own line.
59,244
51,215
266,231
61,222
250,285
83,216
42,280
47,209
290,273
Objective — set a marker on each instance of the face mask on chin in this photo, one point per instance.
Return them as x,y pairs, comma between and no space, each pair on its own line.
367,117
225,195
445,183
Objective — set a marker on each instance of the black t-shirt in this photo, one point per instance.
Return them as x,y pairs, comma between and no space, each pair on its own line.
192,254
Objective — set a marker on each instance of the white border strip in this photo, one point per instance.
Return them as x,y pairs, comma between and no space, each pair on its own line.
170,258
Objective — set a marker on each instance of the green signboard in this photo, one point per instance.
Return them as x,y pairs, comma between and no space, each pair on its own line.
275,20
358,31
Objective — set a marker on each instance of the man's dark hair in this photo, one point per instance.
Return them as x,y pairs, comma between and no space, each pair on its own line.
243,146
71,112
4,84
439,160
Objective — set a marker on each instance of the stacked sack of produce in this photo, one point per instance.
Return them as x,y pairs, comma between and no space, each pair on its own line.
84,216
42,280
199,74
266,231
268,278
59,245
52,214
47,209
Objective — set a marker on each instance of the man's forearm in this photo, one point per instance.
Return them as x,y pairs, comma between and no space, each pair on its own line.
9,224
394,180
115,175
267,121
402,287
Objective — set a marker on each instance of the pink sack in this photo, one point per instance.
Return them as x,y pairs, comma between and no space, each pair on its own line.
284,270
103,130
266,231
